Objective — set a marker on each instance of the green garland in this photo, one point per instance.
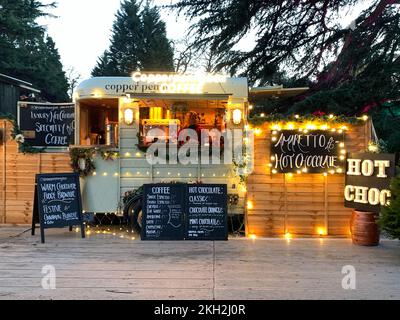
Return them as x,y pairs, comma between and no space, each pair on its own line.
339,119
88,154
17,135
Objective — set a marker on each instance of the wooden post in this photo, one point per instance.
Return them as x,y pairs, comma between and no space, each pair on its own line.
326,199
4,176
285,229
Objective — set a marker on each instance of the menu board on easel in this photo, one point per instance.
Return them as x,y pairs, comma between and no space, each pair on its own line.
206,212
57,202
184,211
163,212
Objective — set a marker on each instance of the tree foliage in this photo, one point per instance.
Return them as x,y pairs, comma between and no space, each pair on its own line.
349,69
390,215
26,52
138,42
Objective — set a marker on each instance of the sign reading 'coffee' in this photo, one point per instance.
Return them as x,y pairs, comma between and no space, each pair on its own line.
184,211
163,209
368,178
46,124
315,151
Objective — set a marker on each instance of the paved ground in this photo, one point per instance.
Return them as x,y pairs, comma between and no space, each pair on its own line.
104,266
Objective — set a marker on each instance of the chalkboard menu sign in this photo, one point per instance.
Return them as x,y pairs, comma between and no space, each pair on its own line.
314,151
184,211
57,202
368,176
206,212
47,124
163,212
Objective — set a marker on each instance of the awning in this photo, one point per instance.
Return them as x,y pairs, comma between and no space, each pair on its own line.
275,92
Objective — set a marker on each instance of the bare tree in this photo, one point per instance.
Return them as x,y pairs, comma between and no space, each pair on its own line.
73,78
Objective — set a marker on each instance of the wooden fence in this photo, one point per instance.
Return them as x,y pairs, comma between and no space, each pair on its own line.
17,176
304,204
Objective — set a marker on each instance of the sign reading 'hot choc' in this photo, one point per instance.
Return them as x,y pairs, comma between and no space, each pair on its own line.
315,151
368,178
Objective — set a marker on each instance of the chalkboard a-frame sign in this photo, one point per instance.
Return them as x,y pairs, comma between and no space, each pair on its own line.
163,212
57,202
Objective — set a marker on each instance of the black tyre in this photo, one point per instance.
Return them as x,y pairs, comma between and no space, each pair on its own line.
133,212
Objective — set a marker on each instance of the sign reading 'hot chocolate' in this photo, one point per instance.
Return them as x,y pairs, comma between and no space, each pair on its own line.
315,151
368,178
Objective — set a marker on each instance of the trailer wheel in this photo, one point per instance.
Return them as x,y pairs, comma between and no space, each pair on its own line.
133,211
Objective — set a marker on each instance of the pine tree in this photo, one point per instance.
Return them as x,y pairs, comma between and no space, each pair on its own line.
26,52
103,66
138,42
156,51
390,215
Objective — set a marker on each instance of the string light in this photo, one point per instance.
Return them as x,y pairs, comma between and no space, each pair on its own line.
262,115
250,205
365,117
321,231
288,236
252,236
257,131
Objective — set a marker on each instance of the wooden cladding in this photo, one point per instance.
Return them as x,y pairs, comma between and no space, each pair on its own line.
299,204
17,176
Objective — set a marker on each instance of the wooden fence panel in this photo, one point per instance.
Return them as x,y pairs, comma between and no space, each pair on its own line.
17,176
302,204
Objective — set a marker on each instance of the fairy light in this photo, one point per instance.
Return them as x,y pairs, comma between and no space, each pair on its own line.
252,236
296,116
262,115
276,127
94,173
250,107
331,116
288,236
105,174
127,154
324,127
365,117
274,171
321,231
250,205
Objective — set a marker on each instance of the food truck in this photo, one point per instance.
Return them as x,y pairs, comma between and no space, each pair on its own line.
124,116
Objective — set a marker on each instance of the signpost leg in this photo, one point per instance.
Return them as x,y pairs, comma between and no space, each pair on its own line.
33,226
42,234
83,230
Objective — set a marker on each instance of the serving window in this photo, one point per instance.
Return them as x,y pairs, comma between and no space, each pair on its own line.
192,114
98,121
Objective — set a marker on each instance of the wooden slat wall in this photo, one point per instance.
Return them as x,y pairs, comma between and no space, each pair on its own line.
17,176
303,203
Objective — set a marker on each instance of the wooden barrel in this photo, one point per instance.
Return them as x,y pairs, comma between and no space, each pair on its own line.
364,229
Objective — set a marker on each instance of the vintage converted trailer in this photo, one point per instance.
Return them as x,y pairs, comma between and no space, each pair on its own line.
117,113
